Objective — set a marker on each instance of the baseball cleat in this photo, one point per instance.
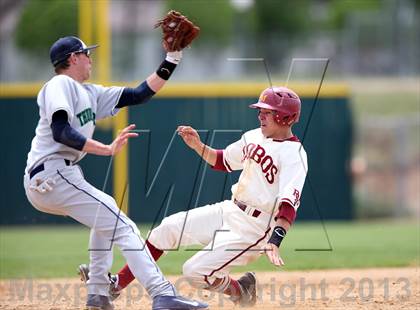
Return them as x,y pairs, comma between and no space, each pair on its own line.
83,271
114,290
176,303
248,286
98,302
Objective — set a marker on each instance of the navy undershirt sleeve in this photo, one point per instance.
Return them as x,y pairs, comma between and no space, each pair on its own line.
64,133
133,96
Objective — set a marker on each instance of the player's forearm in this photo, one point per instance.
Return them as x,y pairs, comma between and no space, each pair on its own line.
154,83
279,231
158,79
95,147
207,153
282,222
65,134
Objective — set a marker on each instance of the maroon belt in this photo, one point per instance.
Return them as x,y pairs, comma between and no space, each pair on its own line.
243,207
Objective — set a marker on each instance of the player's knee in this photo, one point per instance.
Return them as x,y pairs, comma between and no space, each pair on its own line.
173,222
168,233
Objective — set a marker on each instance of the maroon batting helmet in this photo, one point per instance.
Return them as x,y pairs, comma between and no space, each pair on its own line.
283,100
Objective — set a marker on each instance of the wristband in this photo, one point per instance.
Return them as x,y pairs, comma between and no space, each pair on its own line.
277,236
166,69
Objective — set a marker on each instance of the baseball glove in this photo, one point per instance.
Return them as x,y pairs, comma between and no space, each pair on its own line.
178,31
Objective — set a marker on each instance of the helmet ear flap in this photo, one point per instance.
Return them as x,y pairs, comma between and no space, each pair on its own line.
281,120
286,120
277,118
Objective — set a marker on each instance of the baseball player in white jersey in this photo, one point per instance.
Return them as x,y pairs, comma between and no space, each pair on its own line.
263,205
54,183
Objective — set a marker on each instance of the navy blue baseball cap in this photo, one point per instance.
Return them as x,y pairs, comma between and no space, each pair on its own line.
64,47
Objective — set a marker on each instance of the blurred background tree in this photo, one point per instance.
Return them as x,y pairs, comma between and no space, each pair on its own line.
339,10
42,22
361,36
277,26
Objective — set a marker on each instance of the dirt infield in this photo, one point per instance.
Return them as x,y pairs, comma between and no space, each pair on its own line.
391,288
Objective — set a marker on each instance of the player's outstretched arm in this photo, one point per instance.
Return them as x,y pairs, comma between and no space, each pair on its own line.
147,89
192,139
65,134
177,33
95,147
159,78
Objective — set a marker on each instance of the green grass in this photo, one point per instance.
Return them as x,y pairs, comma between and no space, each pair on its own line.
386,104
56,251
391,97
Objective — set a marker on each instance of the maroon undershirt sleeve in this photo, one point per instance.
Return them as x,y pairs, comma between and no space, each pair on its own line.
219,162
287,212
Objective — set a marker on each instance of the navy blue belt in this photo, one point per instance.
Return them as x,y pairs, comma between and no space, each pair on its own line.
243,207
41,167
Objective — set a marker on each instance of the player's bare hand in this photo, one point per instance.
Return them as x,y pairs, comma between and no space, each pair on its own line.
122,139
272,252
190,136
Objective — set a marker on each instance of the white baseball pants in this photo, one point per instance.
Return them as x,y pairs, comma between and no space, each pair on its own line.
230,238
71,195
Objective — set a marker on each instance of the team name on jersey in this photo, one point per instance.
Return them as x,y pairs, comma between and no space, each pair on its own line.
258,154
86,116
